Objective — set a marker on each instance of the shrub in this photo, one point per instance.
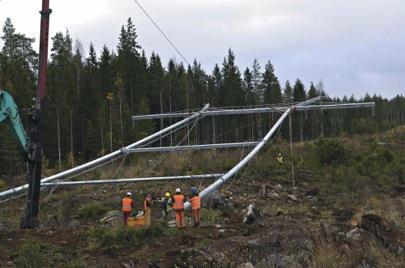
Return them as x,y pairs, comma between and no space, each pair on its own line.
78,263
32,254
3,184
92,211
330,151
113,239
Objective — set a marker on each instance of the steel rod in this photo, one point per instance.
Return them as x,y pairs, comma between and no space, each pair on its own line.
131,180
191,147
106,158
257,110
214,186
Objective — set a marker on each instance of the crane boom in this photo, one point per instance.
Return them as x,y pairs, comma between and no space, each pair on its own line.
9,110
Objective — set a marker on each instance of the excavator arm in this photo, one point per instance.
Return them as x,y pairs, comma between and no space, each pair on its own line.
9,110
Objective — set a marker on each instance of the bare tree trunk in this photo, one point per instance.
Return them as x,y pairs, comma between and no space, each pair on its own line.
78,76
83,144
161,111
187,105
301,129
213,130
252,126
111,132
122,127
71,138
102,136
171,134
59,149
322,128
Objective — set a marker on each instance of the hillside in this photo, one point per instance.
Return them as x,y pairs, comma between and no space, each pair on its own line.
338,182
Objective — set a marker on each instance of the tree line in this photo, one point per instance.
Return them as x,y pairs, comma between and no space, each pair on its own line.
91,98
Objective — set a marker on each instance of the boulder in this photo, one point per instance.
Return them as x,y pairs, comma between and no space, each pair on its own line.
354,234
251,214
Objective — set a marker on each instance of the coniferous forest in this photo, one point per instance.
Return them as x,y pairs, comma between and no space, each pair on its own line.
91,98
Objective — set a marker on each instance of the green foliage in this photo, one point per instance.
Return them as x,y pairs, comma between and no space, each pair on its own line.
113,239
271,85
330,151
32,254
3,184
92,211
91,99
78,263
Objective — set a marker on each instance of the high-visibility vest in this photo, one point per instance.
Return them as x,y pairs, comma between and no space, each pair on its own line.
126,204
178,201
280,159
195,202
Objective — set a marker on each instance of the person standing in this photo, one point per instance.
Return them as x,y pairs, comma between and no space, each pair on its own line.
166,205
178,206
127,204
280,159
147,208
195,202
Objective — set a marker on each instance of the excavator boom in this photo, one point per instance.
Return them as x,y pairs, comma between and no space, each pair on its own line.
9,110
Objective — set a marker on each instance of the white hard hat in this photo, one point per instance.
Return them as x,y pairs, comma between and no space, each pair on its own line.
178,190
129,194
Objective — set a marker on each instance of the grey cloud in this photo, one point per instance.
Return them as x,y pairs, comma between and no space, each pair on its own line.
354,46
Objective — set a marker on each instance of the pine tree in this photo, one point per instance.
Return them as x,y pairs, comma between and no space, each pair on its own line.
288,92
214,85
312,93
155,83
271,85
19,64
299,95
248,87
129,64
257,80
231,91
299,91
61,87
199,85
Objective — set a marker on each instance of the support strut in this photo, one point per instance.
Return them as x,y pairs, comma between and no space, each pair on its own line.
36,126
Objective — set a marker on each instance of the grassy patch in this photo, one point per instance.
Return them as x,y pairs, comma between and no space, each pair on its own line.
210,216
33,254
92,211
112,240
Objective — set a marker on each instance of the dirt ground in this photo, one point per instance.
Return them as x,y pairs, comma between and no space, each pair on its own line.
287,232
311,225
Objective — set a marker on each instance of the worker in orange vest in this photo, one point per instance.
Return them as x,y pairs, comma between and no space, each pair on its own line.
195,202
147,208
127,204
178,206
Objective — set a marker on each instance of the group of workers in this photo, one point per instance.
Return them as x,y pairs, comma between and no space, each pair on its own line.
168,203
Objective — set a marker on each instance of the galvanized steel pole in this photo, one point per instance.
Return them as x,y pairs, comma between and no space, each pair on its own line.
131,180
191,147
257,110
214,186
106,158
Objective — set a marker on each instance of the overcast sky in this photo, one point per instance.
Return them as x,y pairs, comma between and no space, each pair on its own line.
354,46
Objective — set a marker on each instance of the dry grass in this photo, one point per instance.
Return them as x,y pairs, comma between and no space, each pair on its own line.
327,255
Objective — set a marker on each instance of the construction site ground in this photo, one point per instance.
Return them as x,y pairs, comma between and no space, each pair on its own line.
335,216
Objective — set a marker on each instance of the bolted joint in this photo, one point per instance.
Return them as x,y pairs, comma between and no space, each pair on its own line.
45,13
